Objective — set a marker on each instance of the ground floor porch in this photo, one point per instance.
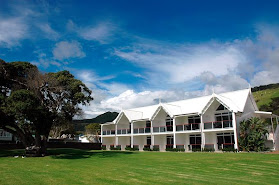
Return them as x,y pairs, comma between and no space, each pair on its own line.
210,141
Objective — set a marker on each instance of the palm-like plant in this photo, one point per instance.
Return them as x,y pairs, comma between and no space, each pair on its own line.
253,134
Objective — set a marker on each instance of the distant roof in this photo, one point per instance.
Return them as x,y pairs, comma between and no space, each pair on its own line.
234,100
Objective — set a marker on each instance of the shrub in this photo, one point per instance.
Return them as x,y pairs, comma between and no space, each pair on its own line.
156,149
104,147
253,135
229,149
115,148
131,149
175,149
208,149
196,150
147,149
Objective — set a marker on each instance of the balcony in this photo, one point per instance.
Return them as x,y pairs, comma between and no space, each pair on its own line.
144,130
187,127
218,124
161,129
123,131
108,132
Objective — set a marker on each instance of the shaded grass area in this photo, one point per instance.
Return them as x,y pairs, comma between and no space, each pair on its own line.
71,166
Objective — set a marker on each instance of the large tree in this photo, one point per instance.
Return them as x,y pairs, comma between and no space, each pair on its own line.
31,102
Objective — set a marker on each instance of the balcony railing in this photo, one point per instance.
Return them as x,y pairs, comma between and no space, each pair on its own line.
180,146
209,146
218,124
108,132
123,131
187,127
163,129
142,130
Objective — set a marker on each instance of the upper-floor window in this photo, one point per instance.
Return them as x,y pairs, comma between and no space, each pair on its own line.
169,123
221,107
148,124
194,119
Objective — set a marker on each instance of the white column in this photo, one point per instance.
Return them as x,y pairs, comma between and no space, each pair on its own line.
202,134
235,131
102,134
132,134
271,119
152,136
174,135
116,138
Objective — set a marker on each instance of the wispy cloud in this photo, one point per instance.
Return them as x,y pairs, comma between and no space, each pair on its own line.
12,31
48,31
102,32
67,49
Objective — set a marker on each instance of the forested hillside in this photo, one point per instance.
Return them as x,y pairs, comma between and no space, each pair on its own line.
103,118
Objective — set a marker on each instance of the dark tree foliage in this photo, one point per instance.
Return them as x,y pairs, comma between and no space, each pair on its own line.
31,103
253,134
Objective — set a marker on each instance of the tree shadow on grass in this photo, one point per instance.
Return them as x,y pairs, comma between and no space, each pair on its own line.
81,154
11,153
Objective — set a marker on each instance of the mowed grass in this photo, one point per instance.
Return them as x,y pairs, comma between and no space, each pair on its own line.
70,166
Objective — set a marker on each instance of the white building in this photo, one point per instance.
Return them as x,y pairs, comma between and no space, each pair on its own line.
210,122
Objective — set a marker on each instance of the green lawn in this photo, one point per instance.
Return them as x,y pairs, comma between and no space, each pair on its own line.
68,166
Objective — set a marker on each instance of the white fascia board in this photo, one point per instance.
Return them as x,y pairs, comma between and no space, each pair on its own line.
108,123
136,120
118,117
188,114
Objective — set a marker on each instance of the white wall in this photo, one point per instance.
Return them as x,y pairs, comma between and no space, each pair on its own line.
139,124
141,141
108,141
160,119
209,115
181,120
123,141
160,140
123,123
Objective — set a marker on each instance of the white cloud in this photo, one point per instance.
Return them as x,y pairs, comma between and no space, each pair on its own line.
177,64
12,31
48,31
102,32
65,50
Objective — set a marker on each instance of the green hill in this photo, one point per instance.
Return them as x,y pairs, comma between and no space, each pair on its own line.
267,97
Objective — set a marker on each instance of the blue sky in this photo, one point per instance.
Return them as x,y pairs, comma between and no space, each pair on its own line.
131,53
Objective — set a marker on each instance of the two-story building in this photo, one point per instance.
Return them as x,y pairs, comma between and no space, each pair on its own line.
210,122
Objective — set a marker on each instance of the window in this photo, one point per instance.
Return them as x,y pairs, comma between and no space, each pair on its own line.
195,141
169,142
223,120
148,124
225,140
169,123
193,122
148,140
221,107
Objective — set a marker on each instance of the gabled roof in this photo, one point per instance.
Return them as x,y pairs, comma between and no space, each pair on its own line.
235,101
